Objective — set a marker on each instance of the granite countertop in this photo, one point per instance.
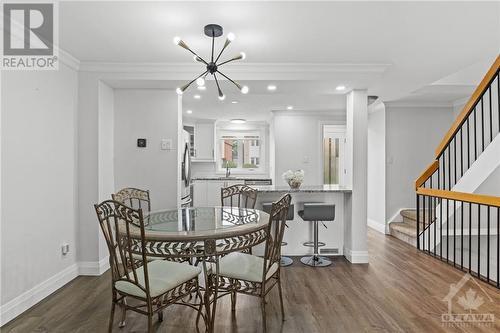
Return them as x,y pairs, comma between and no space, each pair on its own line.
302,189
231,178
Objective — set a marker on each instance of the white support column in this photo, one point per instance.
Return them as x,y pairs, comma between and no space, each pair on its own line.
355,238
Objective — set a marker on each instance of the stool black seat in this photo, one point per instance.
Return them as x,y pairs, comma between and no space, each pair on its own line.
315,212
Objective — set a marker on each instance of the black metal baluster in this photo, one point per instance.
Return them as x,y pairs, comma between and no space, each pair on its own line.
418,219
429,226
462,234
491,115
447,229
498,236
423,228
449,167
434,220
482,124
461,154
479,241
470,238
475,135
468,145
441,229
455,159
488,246
454,231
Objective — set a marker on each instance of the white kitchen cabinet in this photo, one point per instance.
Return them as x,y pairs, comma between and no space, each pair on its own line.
213,192
200,193
204,134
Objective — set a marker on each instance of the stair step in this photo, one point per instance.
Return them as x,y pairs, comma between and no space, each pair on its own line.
407,232
410,215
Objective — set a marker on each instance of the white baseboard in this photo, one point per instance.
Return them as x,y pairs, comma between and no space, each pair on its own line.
93,268
377,226
26,300
356,257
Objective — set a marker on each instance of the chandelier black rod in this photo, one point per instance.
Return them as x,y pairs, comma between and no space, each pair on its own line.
213,43
194,53
218,87
196,78
225,62
233,82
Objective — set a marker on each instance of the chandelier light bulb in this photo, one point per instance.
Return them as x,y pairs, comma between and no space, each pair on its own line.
244,90
200,81
243,55
222,97
179,91
177,40
231,36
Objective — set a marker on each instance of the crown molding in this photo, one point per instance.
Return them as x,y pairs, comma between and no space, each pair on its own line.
316,113
418,104
254,68
68,59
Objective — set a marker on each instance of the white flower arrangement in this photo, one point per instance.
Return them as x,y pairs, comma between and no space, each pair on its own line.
294,178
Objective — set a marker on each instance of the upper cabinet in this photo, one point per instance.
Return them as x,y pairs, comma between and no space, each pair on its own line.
204,137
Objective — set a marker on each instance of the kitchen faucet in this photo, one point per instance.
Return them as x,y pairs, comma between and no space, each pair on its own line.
228,171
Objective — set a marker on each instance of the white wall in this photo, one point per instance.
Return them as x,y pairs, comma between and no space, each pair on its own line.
38,175
150,114
412,135
298,143
376,167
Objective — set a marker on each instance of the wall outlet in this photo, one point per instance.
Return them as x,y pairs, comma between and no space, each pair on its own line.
65,249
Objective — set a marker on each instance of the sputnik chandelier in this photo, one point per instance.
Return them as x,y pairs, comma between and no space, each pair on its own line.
212,67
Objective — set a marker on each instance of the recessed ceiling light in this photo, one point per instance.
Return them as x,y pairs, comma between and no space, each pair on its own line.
202,87
189,111
238,121
234,102
271,87
289,107
197,96
340,88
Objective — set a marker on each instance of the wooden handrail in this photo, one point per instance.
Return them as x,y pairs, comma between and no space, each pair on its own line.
461,196
426,174
469,106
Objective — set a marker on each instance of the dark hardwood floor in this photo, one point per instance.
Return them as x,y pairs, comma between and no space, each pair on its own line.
401,290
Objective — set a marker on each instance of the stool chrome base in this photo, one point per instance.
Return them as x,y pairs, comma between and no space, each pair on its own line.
286,261
315,261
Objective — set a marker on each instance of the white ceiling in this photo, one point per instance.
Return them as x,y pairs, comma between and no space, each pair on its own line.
421,43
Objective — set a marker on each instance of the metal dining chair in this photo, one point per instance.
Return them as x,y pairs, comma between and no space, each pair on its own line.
134,198
253,275
239,195
152,286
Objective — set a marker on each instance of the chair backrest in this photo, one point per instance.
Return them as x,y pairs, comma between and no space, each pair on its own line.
275,232
119,223
239,195
134,198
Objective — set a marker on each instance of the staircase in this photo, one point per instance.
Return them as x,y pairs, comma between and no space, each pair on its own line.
457,226
407,230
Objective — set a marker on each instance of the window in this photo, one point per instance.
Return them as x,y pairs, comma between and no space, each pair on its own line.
239,151
333,154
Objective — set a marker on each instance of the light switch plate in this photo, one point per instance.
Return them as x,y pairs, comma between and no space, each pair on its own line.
166,144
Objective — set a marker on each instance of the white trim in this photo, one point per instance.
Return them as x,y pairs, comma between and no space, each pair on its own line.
324,69
93,268
26,300
356,257
311,113
418,104
377,226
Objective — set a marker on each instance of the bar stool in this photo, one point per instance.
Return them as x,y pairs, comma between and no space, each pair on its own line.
315,212
266,206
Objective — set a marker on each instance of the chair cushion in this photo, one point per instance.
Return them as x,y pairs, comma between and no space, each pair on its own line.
244,266
163,276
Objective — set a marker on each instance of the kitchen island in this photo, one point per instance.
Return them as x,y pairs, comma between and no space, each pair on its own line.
299,231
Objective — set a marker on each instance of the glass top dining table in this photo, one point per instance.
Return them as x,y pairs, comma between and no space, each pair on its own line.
199,223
